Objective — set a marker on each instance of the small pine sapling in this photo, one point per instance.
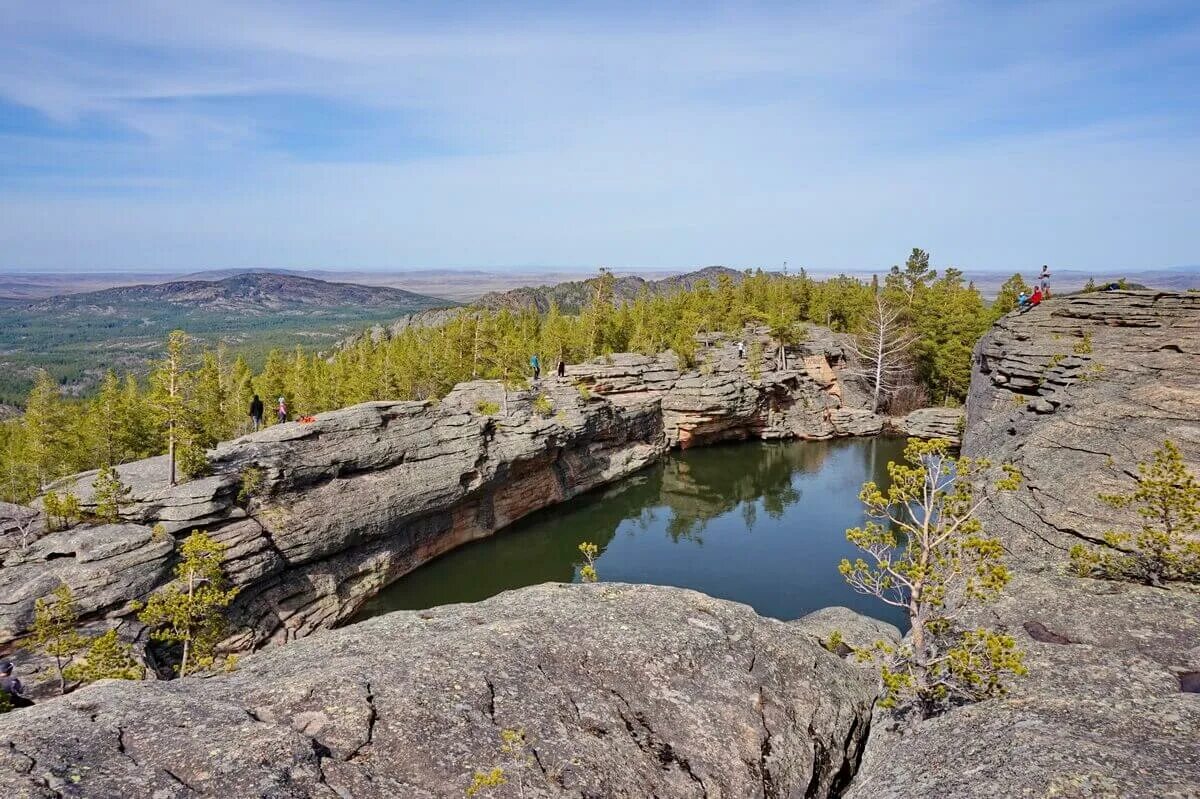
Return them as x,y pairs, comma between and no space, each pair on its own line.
54,631
930,556
1167,547
190,611
106,658
110,495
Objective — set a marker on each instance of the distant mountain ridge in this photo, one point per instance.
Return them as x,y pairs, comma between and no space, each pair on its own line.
249,292
79,336
572,295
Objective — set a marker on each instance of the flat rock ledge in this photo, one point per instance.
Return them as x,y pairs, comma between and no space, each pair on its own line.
620,690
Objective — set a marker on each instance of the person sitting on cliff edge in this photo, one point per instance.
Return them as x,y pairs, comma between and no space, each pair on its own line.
11,687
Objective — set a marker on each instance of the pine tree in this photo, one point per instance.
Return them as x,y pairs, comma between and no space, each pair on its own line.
1167,547
168,396
106,658
110,494
54,631
929,555
1006,299
190,611
45,423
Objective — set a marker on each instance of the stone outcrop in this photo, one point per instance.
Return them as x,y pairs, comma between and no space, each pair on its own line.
947,423
353,500
619,690
1074,393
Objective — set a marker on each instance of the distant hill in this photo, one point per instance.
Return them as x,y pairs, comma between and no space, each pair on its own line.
255,293
79,336
572,295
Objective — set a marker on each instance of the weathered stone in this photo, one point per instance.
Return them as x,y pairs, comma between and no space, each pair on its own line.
620,691
933,423
1101,712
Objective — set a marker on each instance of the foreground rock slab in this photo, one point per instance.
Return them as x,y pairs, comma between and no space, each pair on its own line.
620,690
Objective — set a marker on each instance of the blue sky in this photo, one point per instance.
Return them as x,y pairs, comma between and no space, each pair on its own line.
162,135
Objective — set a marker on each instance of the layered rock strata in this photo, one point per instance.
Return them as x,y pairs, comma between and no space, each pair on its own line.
1075,393
351,501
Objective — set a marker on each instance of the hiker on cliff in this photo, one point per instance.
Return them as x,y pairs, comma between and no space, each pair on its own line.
281,411
256,412
1035,299
741,350
1044,281
11,687
562,368
1022,300
536,365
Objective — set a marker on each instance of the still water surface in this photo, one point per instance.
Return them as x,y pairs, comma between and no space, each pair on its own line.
759,523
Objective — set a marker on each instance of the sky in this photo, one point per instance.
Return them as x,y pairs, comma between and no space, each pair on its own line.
162,135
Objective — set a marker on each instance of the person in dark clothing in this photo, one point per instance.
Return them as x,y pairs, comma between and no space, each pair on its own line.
11,687
536,365
256,412
562,368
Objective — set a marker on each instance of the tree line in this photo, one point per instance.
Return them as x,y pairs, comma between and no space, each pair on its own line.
194,397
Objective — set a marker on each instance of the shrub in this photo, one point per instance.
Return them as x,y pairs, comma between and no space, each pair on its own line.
542,405
106,658
1166,548
587,572
485,408
252,480
110,494
62,510
192,460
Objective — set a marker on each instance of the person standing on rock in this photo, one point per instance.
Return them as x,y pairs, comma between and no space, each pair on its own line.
281,411
562,368
741,350
11,687
1044,281
536,365
256,412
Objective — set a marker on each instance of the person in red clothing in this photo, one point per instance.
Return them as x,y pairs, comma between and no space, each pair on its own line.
1035,299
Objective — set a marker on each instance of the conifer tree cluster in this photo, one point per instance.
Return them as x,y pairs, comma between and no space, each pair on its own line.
195,398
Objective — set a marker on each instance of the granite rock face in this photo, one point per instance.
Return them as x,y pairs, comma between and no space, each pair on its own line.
353,500
1075,393
619,690
944,423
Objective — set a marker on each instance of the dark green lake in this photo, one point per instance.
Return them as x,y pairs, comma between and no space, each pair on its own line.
759,523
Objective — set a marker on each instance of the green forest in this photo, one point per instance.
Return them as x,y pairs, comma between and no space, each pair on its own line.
196,397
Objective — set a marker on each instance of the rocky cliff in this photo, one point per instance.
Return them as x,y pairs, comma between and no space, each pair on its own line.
1074,393
351,501
619,691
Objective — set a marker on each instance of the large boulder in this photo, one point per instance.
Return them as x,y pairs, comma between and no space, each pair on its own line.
1074,393
619,690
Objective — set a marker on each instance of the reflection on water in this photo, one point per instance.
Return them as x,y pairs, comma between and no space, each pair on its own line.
760,523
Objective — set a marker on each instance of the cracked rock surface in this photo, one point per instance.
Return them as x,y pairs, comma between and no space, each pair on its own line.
621,691
1075,393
